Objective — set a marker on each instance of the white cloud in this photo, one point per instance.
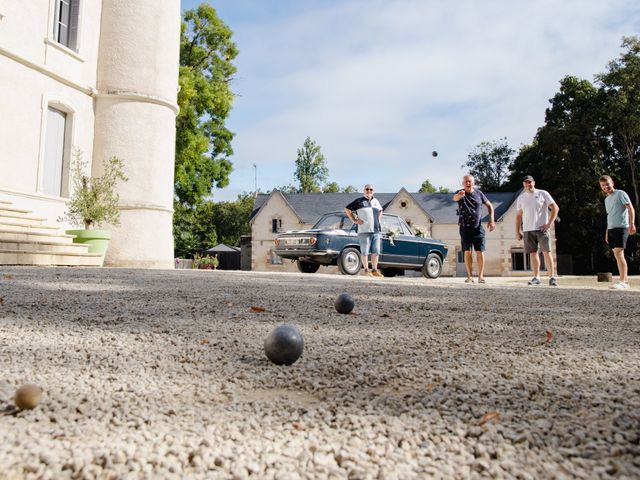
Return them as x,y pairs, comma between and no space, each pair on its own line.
379,84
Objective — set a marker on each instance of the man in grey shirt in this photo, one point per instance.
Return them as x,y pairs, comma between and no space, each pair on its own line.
620,224
366,212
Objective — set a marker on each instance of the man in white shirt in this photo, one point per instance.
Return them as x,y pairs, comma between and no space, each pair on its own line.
366,212
536,212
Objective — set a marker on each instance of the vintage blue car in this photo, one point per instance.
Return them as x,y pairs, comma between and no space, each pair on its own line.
334,241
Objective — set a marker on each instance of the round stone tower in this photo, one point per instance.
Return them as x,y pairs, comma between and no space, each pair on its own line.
135,110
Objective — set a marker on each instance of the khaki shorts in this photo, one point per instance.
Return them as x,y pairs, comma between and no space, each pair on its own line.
535,238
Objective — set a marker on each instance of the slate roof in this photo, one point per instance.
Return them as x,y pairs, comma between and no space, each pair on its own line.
311,206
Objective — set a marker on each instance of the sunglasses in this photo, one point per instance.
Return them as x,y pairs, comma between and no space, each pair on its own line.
369,189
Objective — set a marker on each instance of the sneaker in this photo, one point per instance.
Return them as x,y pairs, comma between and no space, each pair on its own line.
619,286
366,273
534,281
376,273
553,281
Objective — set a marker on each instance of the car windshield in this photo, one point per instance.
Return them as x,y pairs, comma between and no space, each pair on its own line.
334,221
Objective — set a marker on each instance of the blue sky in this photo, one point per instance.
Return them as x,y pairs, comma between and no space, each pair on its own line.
380,84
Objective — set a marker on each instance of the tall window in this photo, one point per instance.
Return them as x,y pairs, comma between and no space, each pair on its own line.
66,23
54,152
276,225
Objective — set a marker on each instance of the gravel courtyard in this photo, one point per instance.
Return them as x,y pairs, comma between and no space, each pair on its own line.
162,374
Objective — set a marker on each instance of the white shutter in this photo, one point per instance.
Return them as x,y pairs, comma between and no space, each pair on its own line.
54,152
74,21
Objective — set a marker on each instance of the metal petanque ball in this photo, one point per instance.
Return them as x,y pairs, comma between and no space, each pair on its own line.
283,346
344,303
434,154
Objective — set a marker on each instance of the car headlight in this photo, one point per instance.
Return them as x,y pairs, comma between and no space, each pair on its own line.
313,240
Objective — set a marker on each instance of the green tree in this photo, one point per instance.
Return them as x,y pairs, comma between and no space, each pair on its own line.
311,168
489,163
231,219
203,143
331,187
427,187
193,229
349,189
620,85
567,156
211,223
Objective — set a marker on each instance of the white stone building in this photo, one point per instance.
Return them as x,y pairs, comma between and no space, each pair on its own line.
101,76
435,212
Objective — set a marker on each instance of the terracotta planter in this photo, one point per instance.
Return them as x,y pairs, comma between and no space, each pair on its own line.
96,240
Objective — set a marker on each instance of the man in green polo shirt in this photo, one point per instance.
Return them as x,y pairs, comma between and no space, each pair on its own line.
620,224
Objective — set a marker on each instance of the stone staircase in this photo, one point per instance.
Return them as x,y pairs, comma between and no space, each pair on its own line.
26,240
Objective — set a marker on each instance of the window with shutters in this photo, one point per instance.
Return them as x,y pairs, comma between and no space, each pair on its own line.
67,19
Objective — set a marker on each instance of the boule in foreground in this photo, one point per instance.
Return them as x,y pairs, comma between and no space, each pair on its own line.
28,396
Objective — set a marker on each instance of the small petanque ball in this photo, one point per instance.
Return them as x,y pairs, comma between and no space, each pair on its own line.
344,303
28,396
434,154
284,345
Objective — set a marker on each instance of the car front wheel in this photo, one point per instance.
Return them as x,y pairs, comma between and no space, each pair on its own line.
432,267
349,262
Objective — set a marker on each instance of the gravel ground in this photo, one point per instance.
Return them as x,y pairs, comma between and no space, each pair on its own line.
162,374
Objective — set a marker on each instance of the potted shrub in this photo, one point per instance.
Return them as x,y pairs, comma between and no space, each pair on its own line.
205,263
93,202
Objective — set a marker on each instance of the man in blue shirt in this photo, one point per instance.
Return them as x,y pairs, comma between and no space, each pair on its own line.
366,212
470,202
620,224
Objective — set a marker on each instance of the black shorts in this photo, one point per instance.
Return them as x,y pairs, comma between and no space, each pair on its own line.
617,237
472,237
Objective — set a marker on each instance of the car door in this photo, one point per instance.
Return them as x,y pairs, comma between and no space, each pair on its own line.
404,249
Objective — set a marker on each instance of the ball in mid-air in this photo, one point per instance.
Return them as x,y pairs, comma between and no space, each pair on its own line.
283,345
434,154
28,396
344,303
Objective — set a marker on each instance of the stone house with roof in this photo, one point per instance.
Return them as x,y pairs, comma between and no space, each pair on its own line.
435,213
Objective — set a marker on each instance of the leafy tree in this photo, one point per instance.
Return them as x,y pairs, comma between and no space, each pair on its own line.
231,219
288,189
311,168
331,187
427,187
489,163
203,143
566,158
620,85
193,229
349,189
211,223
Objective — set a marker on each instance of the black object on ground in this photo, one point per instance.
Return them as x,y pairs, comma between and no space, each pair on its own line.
284,345
344,303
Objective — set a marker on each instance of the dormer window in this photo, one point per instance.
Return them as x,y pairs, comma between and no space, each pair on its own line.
403,204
